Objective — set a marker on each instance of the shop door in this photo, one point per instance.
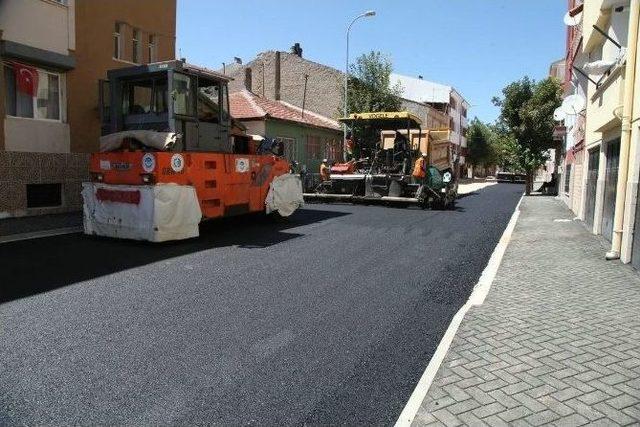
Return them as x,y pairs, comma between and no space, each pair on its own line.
592,182
610,185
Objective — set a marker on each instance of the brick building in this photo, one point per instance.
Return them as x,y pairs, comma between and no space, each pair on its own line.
50,120
279,75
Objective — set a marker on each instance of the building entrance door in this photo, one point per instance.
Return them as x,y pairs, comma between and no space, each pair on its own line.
592,182
610,186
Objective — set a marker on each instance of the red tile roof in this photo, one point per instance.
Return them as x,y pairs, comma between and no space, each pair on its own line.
247,105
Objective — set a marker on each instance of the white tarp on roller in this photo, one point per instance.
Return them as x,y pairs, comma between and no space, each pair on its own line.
285,195
154,212
150,138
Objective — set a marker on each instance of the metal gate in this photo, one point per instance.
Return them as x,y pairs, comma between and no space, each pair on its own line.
610,186
592,182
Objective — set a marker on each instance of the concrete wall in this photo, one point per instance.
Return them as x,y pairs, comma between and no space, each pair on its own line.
18,169
324,85
38,136
95,22
42,24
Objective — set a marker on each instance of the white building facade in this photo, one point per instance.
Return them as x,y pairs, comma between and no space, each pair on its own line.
443,98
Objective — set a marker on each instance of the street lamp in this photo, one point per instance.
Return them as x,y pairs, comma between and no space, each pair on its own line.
346,74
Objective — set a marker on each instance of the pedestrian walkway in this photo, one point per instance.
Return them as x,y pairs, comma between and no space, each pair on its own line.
37,226
557,340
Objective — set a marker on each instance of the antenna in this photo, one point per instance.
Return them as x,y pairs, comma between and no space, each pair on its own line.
573,104
559,114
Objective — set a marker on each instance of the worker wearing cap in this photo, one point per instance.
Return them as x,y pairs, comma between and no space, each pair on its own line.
325,170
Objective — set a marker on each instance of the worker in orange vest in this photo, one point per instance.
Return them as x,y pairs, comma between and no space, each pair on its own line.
325,170
420,168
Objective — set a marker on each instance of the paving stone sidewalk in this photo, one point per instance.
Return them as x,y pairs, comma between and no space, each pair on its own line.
557,340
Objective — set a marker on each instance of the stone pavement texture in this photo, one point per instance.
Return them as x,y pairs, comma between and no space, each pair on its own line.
557,340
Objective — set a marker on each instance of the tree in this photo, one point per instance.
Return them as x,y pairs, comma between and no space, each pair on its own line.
369,85
526,123
479,143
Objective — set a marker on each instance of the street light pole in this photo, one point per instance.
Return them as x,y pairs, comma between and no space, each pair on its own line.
346,78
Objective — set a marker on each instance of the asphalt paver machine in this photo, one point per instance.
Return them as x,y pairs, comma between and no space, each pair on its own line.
395,161
171,156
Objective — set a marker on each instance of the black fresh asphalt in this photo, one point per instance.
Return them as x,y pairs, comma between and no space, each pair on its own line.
330,317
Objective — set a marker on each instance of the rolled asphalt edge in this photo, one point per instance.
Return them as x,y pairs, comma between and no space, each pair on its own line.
35,227
477,297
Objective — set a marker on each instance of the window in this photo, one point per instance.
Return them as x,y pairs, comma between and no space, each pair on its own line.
209,101
567,178
117,41
225,104
183,95
452,125
464,112
136,47
63,2
452,104
145,96
105,101
153,48
332,149
314,150
44,105
290,148
44,195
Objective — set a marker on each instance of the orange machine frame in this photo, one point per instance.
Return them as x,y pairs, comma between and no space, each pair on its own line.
226,184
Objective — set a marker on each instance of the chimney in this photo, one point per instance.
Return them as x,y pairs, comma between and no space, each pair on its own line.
296,49
247,79
277,77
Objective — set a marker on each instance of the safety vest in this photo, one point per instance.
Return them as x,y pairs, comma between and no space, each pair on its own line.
325,171
419,169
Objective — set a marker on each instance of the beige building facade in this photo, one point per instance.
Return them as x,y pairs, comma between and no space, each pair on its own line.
603,173
53,55
37,41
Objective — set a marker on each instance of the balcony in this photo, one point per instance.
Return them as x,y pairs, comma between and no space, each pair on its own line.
604,100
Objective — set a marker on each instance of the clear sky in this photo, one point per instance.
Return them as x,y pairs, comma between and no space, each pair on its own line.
477,46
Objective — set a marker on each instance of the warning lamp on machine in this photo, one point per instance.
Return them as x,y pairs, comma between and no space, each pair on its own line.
147,178
97,177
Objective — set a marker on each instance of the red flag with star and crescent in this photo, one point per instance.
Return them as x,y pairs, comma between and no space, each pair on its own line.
26,78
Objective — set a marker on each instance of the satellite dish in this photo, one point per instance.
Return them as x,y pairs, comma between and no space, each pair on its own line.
572,21
598,67
559,114
573,104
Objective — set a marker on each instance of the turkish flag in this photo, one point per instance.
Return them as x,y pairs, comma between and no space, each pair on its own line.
26,78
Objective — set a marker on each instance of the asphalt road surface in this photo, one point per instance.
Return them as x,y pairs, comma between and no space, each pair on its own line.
330,317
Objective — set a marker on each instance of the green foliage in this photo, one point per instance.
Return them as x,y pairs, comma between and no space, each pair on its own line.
526,122
479,142
369,85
